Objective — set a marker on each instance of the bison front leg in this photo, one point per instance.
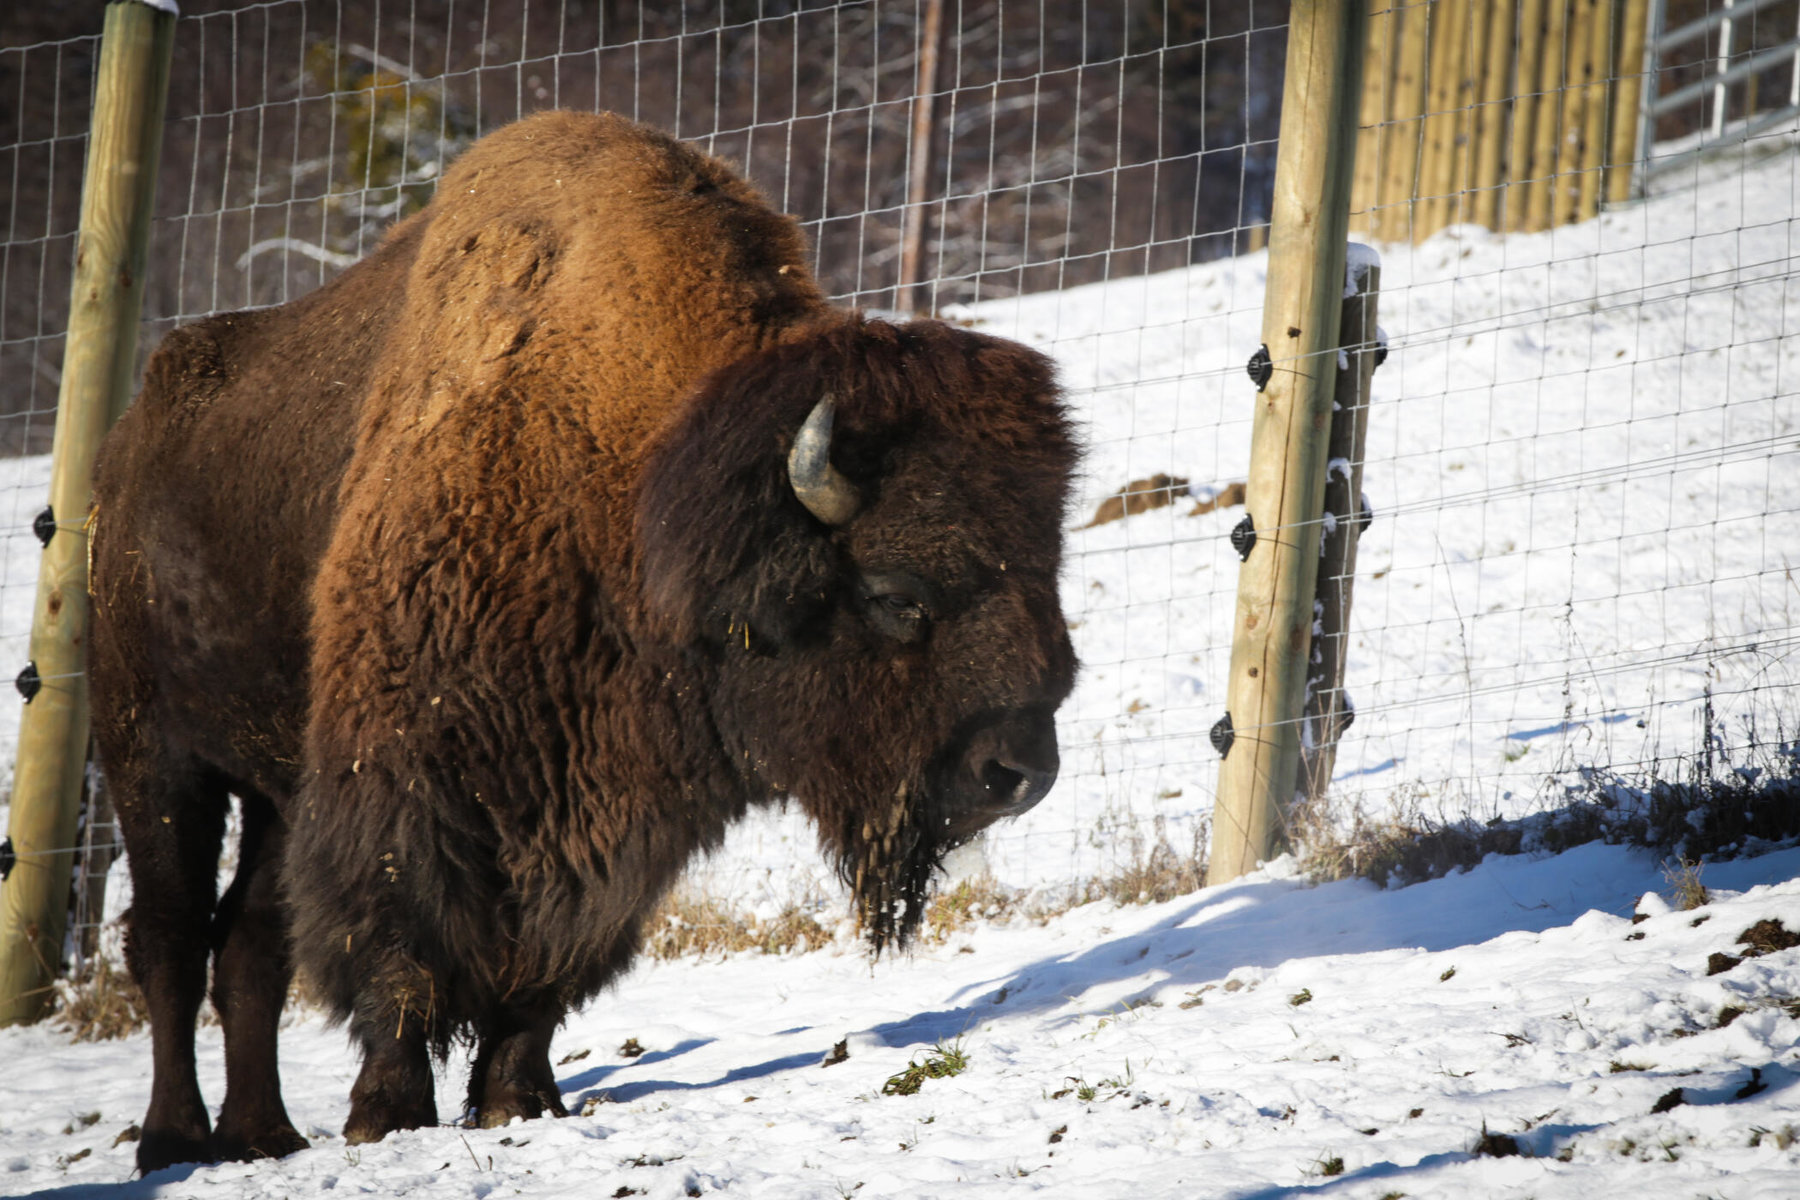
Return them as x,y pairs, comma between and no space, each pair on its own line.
512,1076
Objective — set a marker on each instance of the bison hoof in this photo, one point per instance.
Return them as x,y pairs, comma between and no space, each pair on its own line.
531,1105
371,1122
159,1149
233,1146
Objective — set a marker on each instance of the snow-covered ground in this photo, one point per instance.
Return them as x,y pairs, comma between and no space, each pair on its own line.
1585,470
1245,1041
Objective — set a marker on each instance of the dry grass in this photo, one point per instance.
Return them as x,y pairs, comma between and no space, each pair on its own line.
968,902
688,923
1151,875
1716,811
1686,891
691,923
101,1003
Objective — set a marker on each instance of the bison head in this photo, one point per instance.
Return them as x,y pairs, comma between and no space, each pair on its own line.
856,536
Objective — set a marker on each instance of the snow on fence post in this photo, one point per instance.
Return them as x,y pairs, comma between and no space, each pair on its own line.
1328,711
124,144
1315,162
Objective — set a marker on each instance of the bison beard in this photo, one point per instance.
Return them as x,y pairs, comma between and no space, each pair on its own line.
499,576
888,862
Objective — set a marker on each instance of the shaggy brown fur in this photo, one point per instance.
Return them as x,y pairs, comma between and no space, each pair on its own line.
539,587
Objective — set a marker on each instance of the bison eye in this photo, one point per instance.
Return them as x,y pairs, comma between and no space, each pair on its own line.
897,605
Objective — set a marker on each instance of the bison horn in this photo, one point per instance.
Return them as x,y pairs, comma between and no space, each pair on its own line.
826,494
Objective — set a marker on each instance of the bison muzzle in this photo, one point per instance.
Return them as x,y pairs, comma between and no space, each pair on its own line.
500,575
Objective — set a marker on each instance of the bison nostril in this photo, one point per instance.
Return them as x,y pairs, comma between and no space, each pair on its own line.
1016,786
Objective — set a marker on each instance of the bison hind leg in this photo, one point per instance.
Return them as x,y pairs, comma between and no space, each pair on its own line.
172,814
251,973
511,1076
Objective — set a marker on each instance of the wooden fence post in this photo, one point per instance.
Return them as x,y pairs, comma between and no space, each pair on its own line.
912,246
1328,709
1260,733
124,144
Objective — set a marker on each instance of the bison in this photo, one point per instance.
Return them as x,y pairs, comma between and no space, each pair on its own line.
497,577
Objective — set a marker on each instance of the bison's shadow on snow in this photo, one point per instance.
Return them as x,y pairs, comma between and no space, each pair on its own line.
1203,939
1266,923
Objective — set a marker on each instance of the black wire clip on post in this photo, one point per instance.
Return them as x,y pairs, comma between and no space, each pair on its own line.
44,525
1222,736
28,682
1261,367
1243,538
8,858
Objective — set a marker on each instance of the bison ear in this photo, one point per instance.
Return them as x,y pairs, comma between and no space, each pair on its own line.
728,553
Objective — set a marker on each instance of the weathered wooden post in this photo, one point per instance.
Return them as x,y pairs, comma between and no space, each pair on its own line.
912,247
1328,709
1296,372
124,145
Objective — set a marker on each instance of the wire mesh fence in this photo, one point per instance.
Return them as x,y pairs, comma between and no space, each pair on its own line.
1582,455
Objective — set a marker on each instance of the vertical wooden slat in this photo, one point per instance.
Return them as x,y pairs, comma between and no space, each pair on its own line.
1406,125
1437,167
1596,67
1540,188
1491,117
1374,133
1522,162
1577,75
1468,86
1628,95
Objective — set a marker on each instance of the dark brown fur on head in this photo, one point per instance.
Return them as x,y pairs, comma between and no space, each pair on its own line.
958,446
